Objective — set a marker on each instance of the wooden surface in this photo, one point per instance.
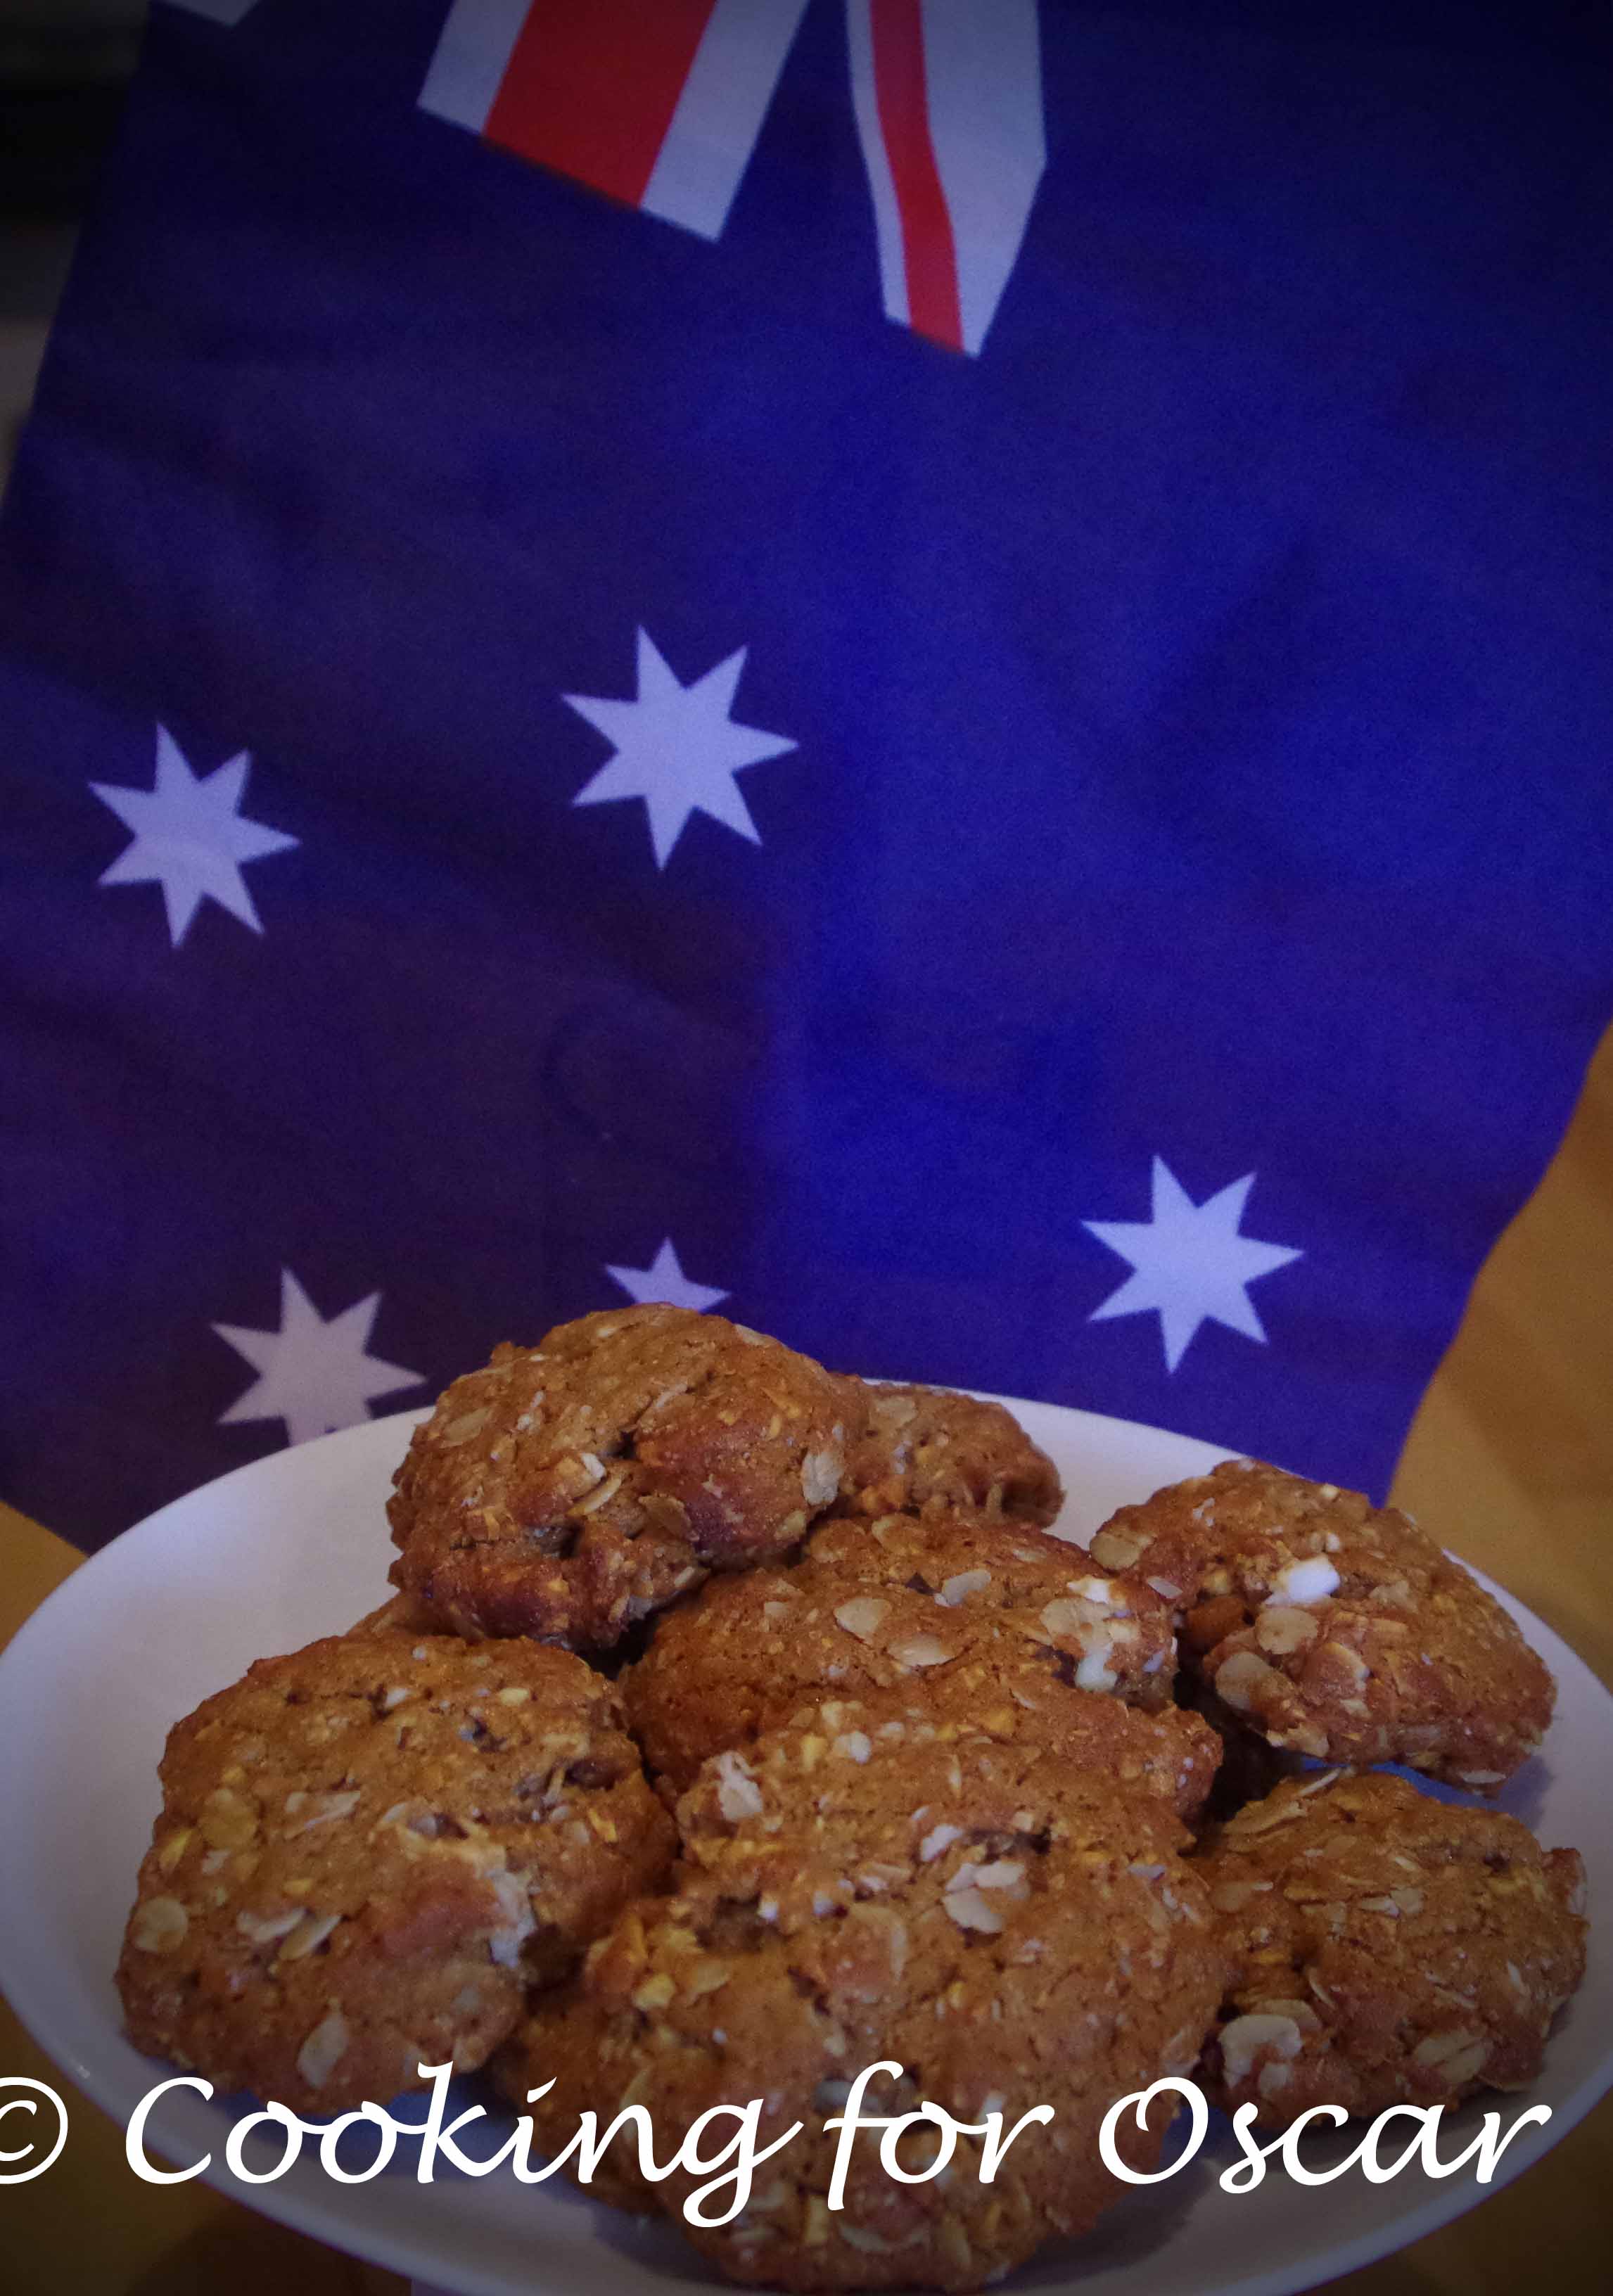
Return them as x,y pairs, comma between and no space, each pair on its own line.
1510,1462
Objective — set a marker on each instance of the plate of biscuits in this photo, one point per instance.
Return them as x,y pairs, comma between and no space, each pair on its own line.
921,1839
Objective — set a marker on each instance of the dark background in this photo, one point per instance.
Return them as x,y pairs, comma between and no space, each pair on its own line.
64,65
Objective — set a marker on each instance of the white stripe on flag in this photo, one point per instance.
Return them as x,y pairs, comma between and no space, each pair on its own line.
719,115
471,58
887,215
983,81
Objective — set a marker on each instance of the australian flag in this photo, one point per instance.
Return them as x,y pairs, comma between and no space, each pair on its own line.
937,670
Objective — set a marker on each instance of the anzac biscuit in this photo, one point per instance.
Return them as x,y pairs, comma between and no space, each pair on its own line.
1336,1629
368,1849
1391,1949
1119,1632
1010,1933
750,1652
571,1488
399,1614
924,1450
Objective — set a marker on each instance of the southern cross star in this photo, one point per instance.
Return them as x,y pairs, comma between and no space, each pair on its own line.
314,1376
665,1281
677,747
1188,1262
191,837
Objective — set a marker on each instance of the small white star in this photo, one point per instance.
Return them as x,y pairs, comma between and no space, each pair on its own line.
190,837
677,748
1190,1263
314,1376
665,1281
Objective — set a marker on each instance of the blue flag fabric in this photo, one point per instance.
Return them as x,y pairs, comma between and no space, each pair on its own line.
950,688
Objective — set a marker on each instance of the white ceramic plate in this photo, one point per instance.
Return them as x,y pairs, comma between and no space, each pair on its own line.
295,1547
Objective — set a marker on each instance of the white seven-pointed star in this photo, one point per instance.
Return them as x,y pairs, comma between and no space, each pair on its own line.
1188,1262
665,1281
316,1376
190,836
677,748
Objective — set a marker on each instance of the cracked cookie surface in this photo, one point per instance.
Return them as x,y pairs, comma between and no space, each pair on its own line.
1391,1949
368,1849
1117,1632
748,1651
859,1888
1335,1628
925,1450
567,1490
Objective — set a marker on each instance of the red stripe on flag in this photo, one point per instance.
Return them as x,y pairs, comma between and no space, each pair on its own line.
592,84
929,254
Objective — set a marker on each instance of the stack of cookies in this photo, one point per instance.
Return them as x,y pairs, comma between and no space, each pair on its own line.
736,1726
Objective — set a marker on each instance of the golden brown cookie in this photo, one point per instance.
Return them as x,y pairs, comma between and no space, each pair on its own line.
368,1849
1334,1628
1391,1949
751,1650
399,1614
571,1488
1119,1633
930,1450
1012,1933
